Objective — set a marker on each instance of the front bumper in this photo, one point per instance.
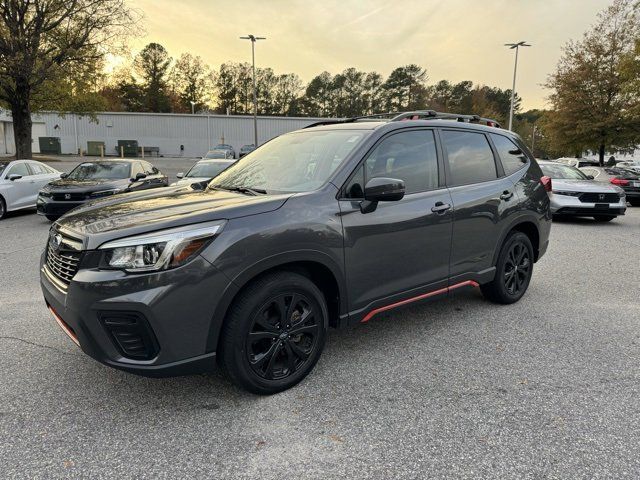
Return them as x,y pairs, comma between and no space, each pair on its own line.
47,206
568,205
175,306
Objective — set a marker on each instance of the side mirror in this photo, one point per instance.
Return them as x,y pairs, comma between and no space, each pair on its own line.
590,177
64,175
180,175
14,176
139,176
381,190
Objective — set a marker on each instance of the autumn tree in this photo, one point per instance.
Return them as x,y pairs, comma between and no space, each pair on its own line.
191,79
593,99
152,65
42,39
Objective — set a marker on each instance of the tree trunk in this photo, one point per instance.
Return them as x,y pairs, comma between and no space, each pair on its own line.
21,113
601,154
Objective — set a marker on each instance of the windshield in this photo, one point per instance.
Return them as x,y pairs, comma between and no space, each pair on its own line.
206,170
217,154
3,166
101,171
563,172
297,162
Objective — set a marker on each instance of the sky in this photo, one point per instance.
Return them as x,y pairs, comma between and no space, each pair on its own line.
452,39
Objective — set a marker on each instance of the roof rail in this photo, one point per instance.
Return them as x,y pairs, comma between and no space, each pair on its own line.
412,115
433,115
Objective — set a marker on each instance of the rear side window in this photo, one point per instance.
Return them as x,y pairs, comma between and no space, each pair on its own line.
408,156
513,159
39,169
470,157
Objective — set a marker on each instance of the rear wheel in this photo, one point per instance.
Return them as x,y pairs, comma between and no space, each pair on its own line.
274,333
513,270
52,218
3,208
604,218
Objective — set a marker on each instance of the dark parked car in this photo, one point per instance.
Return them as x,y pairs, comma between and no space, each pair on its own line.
245,149
91,180
628,180
324,227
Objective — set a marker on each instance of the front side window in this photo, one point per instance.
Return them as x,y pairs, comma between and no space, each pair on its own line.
296,162
513,159
19,169
563,172
100,171
470,157
207,169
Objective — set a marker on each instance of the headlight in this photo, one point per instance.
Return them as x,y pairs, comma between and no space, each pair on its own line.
570,194
103,193
43,193
159,250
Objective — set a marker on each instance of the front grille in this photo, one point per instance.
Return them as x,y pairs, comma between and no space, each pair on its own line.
68,197
63,257
599,197
131,334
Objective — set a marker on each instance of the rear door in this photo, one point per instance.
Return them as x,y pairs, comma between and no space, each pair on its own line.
401,249
482,199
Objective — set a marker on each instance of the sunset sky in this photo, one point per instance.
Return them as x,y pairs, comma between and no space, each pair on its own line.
453,39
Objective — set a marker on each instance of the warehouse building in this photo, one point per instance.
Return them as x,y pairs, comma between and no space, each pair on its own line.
172,135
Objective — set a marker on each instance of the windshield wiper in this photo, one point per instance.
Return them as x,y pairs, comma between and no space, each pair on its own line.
245,190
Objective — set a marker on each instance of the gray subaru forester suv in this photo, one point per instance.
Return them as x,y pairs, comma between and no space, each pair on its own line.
324,227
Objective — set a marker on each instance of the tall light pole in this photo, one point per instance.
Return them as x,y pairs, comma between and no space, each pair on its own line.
193,107
515,69
254,39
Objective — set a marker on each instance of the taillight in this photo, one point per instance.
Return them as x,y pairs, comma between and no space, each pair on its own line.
546,183
619,181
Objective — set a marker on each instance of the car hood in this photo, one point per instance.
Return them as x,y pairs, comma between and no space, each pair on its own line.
141,212
70,186
560,184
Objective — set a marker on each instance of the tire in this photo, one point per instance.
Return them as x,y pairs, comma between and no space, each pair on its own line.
510,284
603,218
635,202
3,208
52,218
259,350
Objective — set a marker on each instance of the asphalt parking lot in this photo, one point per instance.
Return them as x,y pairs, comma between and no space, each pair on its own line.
545,388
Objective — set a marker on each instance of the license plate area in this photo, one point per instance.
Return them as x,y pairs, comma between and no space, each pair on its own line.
602,206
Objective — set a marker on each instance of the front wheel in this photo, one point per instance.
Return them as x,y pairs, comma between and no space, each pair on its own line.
274,333
635,202
52,218
513,270
3,208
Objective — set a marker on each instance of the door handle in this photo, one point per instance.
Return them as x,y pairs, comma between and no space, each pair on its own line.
440,207
506,195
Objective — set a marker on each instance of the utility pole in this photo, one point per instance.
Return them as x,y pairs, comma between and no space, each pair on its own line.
515,46
254,39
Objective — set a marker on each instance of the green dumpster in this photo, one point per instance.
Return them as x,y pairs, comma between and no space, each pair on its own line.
96,149
50,145
130,148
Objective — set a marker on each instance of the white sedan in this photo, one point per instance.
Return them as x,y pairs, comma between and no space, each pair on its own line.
20,182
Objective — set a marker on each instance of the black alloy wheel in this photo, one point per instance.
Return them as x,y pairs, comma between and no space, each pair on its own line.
517,268
274,332
283,334
514,269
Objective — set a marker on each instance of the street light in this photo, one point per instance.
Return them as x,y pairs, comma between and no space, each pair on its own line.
515,69
193,107
254,39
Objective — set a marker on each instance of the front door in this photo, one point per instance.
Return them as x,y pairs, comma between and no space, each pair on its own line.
401,249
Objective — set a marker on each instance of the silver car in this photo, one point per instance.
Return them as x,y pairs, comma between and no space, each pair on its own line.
203,171
574,194
20,181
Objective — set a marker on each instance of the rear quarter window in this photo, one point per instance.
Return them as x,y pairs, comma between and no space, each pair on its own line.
511,156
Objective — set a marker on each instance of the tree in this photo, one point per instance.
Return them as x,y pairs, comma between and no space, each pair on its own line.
152,65
40,39
593,101
190,78
405,88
